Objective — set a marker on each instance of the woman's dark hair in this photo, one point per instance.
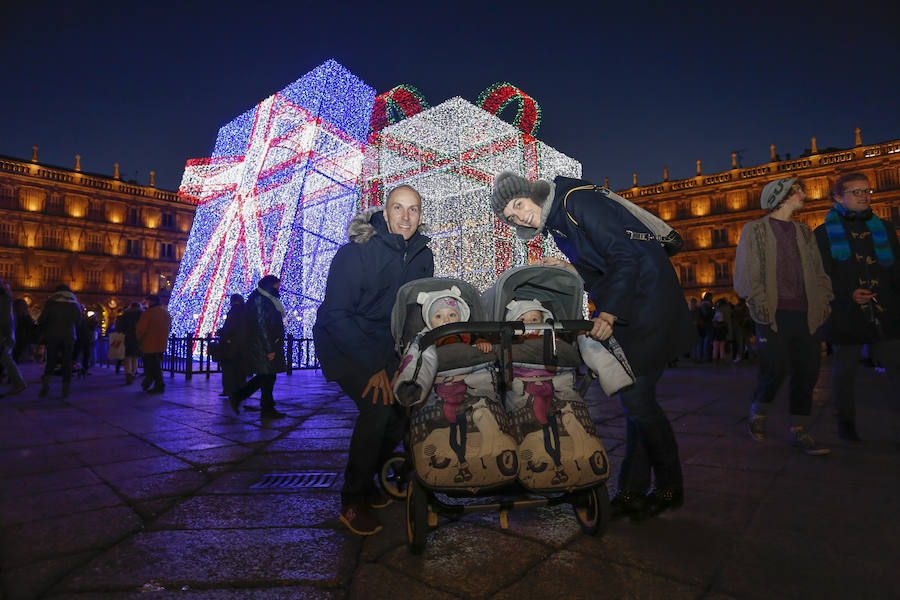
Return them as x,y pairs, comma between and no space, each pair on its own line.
268,282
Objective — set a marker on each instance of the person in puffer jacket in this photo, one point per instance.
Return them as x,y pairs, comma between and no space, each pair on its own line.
57,324
353,339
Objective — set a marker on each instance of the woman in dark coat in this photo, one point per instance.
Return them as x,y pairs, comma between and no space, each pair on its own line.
230,343
637,295
264,345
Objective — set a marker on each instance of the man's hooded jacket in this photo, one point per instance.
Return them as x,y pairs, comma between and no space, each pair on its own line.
353,326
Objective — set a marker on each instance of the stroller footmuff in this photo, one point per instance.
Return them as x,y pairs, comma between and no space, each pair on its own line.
558,446
460,436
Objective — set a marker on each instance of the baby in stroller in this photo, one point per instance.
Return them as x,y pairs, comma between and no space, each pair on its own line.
459,434
558,447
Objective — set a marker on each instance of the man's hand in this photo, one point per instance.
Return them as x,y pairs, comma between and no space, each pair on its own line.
552,261
862,296
379,384
484,346
603,326
270,356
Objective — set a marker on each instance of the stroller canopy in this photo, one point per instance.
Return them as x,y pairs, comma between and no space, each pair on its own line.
559,289
406,316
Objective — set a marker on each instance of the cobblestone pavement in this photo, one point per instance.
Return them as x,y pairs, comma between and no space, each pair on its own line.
113,492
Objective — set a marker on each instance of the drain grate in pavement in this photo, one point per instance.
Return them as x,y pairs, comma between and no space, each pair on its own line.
295,480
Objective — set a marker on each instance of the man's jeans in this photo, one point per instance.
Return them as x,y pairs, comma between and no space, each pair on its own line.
843,374
153,371
59,351
792,349
378,430
650,441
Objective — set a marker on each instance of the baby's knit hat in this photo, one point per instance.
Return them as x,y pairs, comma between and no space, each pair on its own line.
517,308
434,301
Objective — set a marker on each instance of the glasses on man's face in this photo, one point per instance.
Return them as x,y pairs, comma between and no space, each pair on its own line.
860,192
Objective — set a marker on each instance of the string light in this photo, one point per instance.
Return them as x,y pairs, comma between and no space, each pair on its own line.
399,103
451,154
286,177
495,98
275,198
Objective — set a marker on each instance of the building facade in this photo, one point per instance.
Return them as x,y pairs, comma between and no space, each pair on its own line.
709,211
111,241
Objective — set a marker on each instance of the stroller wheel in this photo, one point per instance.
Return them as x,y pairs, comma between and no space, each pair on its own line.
416,516
394,476
592,510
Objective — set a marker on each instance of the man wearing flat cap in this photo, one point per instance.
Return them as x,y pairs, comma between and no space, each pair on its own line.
778,269
631,282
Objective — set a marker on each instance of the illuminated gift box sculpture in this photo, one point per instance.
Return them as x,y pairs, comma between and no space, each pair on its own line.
451,153
275,198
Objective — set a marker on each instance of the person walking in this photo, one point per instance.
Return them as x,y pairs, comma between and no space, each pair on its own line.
86,342
26,332
861,254
263,321
59,318
152,331
353,339
741,325
628,275
779,270
127,324
8,340
231,340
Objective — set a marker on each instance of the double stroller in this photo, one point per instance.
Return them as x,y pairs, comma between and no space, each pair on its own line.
504,421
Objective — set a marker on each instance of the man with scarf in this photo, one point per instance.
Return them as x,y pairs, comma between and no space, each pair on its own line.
860,253
57,324
264,350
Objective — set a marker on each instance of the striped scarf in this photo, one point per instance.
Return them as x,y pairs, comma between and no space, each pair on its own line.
840,245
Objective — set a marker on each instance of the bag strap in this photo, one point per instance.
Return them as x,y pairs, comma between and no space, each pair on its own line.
651,221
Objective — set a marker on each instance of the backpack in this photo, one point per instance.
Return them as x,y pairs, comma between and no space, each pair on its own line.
661,232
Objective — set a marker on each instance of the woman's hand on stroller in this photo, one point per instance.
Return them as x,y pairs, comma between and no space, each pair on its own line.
603,326
552,261
380,384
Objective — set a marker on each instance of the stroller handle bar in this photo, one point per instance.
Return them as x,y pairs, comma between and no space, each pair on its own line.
504,328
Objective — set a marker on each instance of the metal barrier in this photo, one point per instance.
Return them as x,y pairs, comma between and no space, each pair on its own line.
190,355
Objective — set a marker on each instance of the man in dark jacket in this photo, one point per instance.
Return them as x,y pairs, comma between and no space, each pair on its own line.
60,316
634,288
8,340
861,254
263,340
353,338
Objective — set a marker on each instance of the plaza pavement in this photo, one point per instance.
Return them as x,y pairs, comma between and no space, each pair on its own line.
115,494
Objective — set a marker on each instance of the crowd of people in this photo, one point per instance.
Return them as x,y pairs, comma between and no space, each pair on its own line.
795,288
65,335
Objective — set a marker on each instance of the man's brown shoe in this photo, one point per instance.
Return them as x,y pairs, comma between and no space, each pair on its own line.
359,519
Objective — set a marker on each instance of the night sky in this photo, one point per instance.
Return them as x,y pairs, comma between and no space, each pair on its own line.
148,84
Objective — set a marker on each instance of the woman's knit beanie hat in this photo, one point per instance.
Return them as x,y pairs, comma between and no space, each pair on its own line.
509,186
